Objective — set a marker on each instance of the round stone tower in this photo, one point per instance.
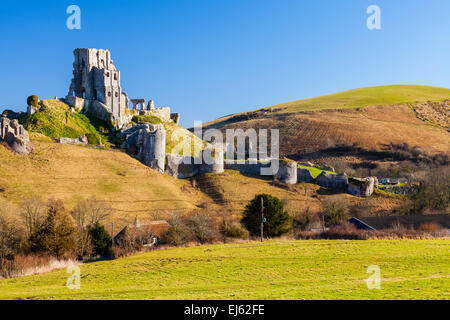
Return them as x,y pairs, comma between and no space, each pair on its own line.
287,172
213,160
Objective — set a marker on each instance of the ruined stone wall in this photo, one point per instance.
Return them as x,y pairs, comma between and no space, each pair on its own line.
212,160
245,166
304,175
332,181
148,143
181,167
14,135
152,146
362,187
287,172
162,113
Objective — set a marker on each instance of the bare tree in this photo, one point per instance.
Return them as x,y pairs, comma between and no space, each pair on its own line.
32,214
88,213
10,233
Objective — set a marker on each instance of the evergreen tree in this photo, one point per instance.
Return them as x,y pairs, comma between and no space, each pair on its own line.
100,238
55,236
277,220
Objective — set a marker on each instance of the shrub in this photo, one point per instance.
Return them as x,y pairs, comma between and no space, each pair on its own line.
93,139
230,229
179,232
10,237
100,238
28,264
200,227
433,193
55,236
335,210
278,221
33,101
301,221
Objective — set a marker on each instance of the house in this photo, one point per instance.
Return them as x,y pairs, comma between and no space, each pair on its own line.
409,221
147,234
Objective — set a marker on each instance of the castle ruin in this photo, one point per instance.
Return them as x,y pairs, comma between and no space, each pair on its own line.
96,89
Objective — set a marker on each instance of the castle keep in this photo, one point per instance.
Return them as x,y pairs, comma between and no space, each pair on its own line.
96,88
96,78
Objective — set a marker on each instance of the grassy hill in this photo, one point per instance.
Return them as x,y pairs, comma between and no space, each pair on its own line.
71,172
231,191
56,120
370,117
370,96
410,269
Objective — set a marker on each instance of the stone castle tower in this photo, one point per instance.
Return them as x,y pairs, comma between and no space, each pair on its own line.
96,78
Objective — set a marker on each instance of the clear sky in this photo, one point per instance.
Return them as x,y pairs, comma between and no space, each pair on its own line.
209,58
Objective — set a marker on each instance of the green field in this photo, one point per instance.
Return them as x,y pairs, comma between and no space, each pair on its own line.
370,96
282,269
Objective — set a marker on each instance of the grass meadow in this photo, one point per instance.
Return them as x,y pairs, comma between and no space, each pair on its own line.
275,269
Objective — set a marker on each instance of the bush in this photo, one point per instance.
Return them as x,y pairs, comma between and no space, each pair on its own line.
433,193
278,221
28,264
93,139
55,236
301,221
348,231
199,227
33,101
10,235
335,210
230,229
100,238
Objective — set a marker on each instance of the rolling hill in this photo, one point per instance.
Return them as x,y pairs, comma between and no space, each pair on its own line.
371,118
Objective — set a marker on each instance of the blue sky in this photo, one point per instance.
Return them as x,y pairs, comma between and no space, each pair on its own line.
209,58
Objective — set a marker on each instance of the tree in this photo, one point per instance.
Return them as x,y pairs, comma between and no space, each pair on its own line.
91,211
432,194
55,236
10,238
335,210
100,238
33,101
32,212
278,221
87,214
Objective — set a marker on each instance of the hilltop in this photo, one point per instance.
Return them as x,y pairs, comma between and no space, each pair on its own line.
371,118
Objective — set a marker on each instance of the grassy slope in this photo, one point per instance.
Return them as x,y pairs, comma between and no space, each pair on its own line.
410,269
234,190
361,97
370,117
71,172
371,96
56,120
